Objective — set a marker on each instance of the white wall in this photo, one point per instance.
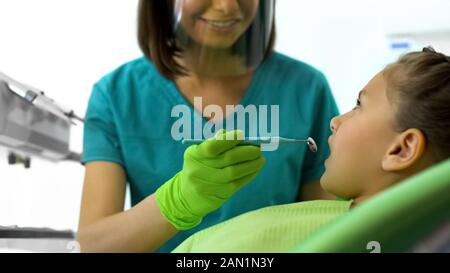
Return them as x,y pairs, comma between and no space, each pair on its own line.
349,39
63,47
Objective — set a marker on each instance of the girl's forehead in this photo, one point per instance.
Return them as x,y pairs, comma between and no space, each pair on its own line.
376,85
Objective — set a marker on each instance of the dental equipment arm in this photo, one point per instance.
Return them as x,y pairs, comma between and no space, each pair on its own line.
32,124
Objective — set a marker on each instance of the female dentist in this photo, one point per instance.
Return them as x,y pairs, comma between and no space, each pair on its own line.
222,52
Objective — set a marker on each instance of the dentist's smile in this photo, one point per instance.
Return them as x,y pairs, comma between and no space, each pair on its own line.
220,25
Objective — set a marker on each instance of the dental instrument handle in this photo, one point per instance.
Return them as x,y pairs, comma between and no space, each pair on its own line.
244,142
255,141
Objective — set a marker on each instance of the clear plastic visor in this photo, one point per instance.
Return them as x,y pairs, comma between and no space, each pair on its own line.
223,37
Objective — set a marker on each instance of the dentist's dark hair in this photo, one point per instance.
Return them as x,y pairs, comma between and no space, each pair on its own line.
157,39
419,85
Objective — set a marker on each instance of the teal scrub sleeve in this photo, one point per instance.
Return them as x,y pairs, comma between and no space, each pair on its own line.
100,140
324,109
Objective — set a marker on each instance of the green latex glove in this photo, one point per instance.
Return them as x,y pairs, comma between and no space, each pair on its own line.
212,172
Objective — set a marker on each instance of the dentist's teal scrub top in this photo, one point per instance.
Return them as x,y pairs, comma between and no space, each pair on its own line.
129,122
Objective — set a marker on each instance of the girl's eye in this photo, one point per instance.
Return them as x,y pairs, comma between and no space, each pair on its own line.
358,104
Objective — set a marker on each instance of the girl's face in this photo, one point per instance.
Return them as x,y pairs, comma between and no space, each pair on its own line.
217,23
359,141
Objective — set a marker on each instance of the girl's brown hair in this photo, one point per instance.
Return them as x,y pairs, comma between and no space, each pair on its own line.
419,86
157,39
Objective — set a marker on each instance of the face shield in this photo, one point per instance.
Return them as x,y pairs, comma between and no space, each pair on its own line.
223,37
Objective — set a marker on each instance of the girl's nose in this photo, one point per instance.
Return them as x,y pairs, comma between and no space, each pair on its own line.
334,124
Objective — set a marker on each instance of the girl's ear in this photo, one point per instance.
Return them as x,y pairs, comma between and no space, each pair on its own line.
405,151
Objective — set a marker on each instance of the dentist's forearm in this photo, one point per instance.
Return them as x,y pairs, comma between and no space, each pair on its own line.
139,229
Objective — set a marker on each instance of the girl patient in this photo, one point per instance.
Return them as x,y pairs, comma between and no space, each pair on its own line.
399,127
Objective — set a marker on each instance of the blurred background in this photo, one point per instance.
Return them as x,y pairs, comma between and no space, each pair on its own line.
64,47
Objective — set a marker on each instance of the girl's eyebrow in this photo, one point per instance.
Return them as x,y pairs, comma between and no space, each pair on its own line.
361,93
